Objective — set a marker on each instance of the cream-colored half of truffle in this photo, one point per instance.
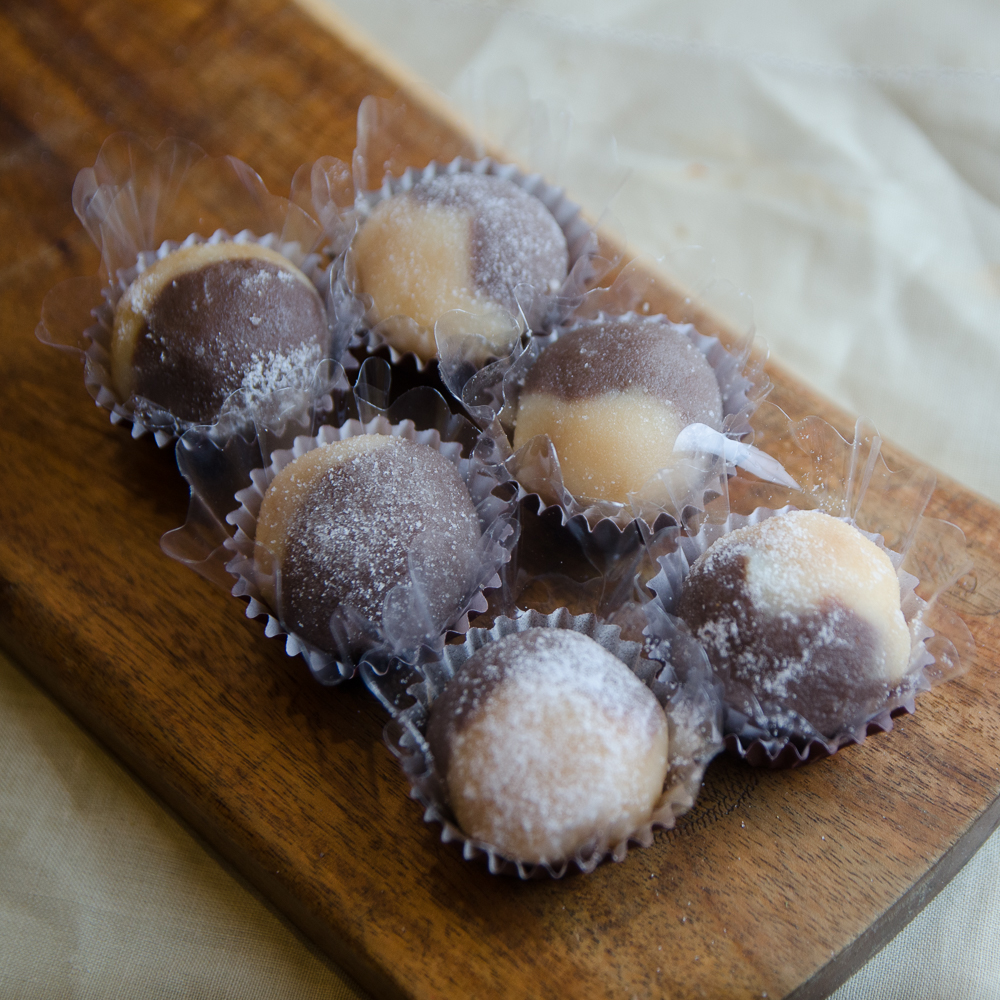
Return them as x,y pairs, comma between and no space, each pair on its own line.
797,559
414,260
609,446
574,774
286,496
130,313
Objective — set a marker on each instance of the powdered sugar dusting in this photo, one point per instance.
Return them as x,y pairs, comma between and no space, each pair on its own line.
804,610
554,743
269,371
514,237
367,517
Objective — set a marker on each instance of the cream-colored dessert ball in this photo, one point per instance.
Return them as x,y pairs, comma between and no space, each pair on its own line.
612,395
456,241
548,744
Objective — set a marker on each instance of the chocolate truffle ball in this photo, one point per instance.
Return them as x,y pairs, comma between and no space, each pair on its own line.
210,319
548,744
457,241
344,522
612,395
803,612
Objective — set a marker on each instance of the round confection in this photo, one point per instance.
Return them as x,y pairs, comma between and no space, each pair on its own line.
803,611
612,395
211,319
548,744
344,523
457,241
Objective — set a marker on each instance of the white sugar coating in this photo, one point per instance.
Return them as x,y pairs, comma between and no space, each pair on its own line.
269,371
211,320
458,241
348,521
514,236
554,745
796,561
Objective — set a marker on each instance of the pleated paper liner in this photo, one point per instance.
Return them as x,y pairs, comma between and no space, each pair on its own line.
850,481
405,632
141,205
691,708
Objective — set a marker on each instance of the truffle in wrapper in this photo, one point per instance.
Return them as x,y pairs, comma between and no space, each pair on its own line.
612,395
346,522
804,612
211,319
457,241
548,744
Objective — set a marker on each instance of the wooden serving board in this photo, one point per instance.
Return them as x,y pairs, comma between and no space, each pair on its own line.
779,884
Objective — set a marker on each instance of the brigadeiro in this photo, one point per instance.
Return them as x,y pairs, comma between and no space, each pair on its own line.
612,395
800,614
456,241
622,417
212,291
812,627
213,319
454,257
548,744
549,741
341,524
370,541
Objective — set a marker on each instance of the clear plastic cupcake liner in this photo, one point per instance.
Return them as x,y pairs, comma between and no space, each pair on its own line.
216,462
455,334
691,707
850,481
707,456
408,630
140,205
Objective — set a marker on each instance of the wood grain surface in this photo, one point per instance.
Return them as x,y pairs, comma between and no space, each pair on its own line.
777,884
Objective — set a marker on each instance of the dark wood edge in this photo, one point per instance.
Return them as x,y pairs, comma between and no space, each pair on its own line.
850,959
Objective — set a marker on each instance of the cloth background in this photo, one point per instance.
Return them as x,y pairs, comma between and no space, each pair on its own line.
842,165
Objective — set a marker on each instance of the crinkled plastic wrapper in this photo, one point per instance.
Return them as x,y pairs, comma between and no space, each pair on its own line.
408,629
691,707
344,203
850,481
141,205
706,456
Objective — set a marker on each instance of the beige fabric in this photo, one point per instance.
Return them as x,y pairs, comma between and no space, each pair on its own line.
104,894
841,162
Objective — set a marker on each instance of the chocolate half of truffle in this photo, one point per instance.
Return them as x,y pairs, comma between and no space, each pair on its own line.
457,241
612,395
210,319
801,611
346,522
548,744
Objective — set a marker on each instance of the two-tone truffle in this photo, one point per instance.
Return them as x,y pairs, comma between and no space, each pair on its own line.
211,319
612,394
800,612
343,524
456,241
548,745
